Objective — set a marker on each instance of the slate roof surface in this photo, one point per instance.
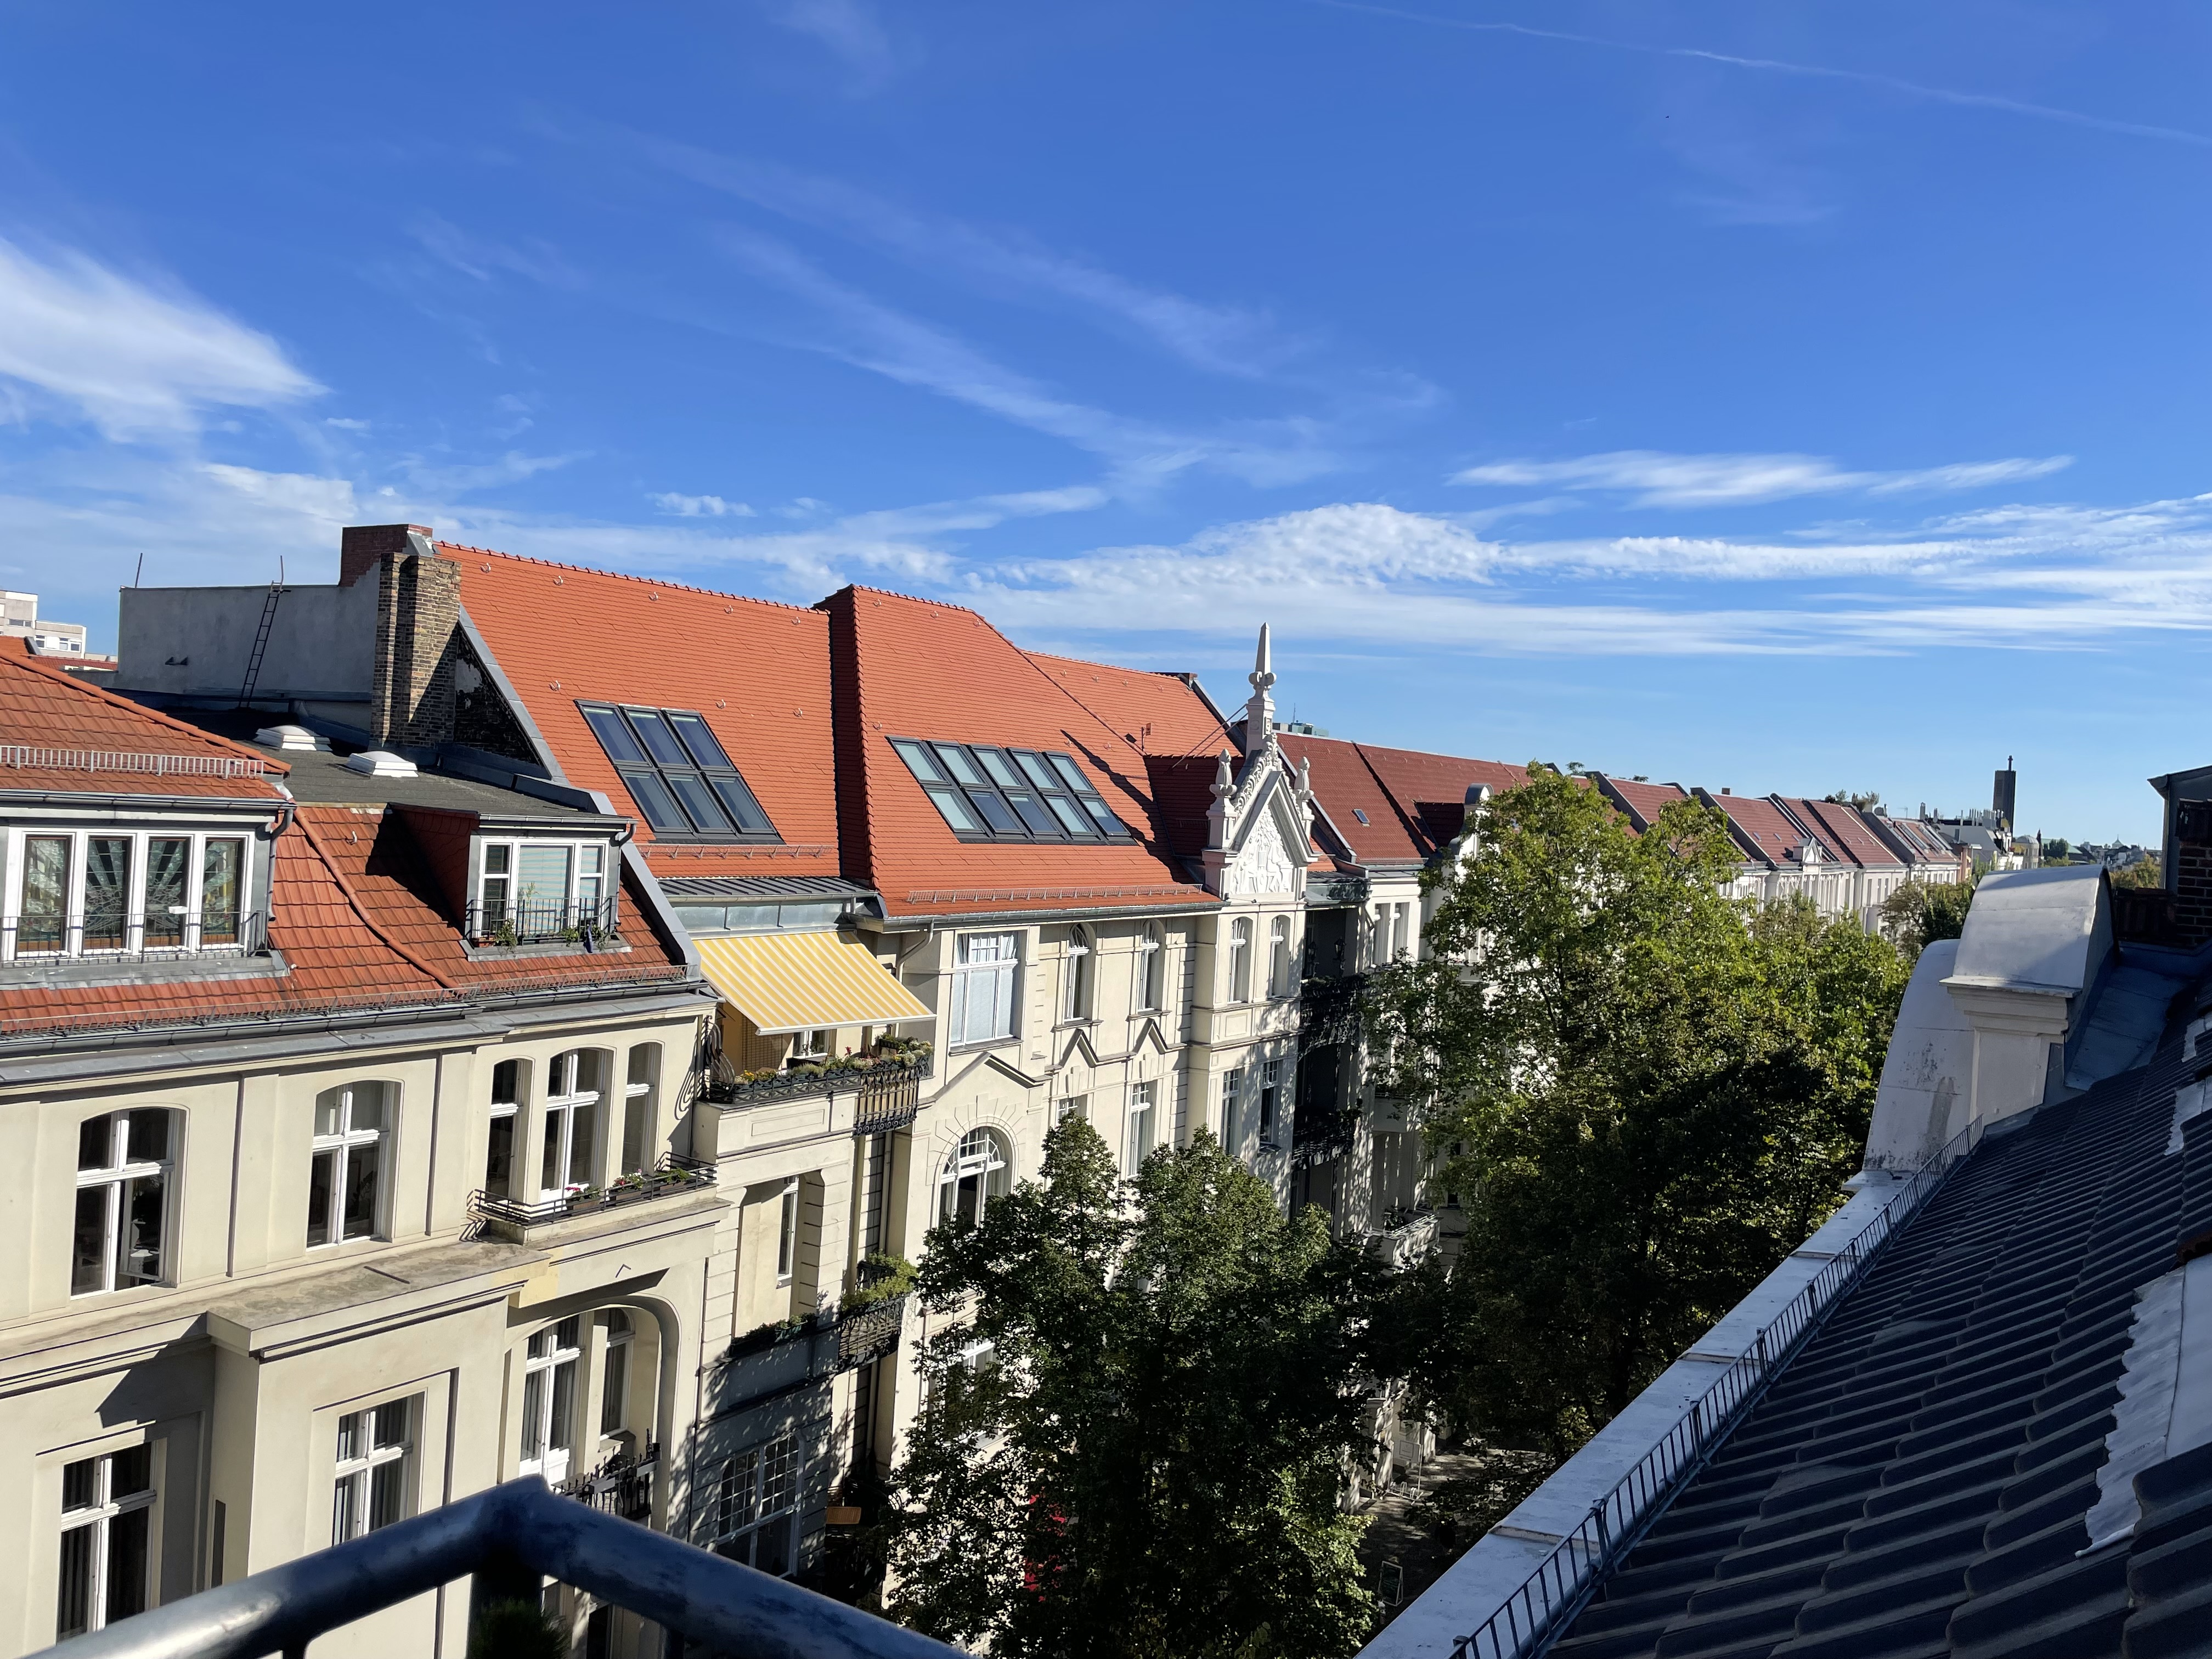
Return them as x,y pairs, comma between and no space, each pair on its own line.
758,673
44,708
1916,1480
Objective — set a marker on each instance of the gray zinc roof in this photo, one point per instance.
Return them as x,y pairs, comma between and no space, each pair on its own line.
1918,1479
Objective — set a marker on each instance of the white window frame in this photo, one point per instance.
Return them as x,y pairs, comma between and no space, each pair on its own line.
787,1234
587,869
636,1089
341,1145
116,1176
1281,980
1232,1092
1271,1097
557,1348
72,946
510,1113
355,1475
621,1327
565,1101
1240,960
1401,929
1151,979
1141,1127
809,1046
756,1489
1068,1106
100,1517
1003,976
979,1154
1080,977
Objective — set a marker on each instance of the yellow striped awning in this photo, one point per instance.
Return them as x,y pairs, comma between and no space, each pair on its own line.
800,981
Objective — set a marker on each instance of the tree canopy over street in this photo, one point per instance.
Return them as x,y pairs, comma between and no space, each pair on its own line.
1644,1093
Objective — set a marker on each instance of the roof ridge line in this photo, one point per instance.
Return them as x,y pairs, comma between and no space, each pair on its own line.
100,693
625,576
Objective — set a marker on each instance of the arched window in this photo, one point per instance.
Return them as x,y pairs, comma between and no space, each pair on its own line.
974,1174
1278,957
345,1184
1081,954
1152,968
1240,960
121,1237
569,1160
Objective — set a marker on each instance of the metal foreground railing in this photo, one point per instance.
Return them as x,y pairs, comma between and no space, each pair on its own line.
509,1540
1543,1607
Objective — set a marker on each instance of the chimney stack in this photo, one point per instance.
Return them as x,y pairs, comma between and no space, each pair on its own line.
418,614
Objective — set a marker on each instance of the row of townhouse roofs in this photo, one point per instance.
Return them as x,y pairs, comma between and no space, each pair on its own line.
485,1017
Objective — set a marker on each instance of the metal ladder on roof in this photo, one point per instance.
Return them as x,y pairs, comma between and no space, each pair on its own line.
276,591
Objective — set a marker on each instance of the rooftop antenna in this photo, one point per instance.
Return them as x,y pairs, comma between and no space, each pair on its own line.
141,570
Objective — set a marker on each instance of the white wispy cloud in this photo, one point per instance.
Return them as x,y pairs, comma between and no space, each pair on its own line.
1220,338
1657,478
137,358
1891,83
871,335
483,258
848,28
699,507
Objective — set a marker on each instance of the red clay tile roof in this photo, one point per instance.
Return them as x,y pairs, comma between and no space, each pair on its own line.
759,672
1344,787
1763,827
359,928
1845,832
913,668
1431,790
58,732
1159,713
1645,801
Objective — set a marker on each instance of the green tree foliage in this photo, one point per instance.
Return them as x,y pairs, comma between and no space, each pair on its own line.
1646,1095
1917,914
2143,873
1149,1466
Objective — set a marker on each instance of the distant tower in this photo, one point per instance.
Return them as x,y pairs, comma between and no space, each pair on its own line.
2001,800
1260,712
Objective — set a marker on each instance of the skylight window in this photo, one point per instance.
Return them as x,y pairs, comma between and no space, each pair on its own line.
1358,814
988,793
677,772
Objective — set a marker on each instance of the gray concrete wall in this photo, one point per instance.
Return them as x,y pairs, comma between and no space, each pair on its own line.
322,645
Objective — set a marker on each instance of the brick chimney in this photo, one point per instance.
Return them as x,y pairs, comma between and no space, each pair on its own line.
362,547
418,614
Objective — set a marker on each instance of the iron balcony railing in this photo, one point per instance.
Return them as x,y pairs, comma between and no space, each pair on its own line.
508,1541
1544,1607
622,1486
1328,1010
842,1338
672,1177
531,921
131,935
889,1088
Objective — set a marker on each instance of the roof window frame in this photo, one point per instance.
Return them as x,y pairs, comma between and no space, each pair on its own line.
660,754
988,792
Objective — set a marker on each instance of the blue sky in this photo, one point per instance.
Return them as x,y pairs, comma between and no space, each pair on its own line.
1768,395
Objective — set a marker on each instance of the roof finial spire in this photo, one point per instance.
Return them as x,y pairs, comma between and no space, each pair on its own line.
1260,712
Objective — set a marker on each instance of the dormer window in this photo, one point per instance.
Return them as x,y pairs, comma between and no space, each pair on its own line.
683,781
532,892
109,893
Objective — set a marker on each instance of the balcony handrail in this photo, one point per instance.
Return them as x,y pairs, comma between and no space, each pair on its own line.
36,757
697,1173
72,936
720,1088
510,1537
537,921
1547,1603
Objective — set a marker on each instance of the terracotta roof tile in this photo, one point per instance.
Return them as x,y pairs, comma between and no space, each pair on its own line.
758,673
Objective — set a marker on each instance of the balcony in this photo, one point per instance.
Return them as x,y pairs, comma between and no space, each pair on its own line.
672,1177
502,925
99,935
780,1358
1328,1010
622,1486
889,1086
509,1540
1405,1236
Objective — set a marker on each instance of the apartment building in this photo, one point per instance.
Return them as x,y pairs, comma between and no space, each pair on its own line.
349,1110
